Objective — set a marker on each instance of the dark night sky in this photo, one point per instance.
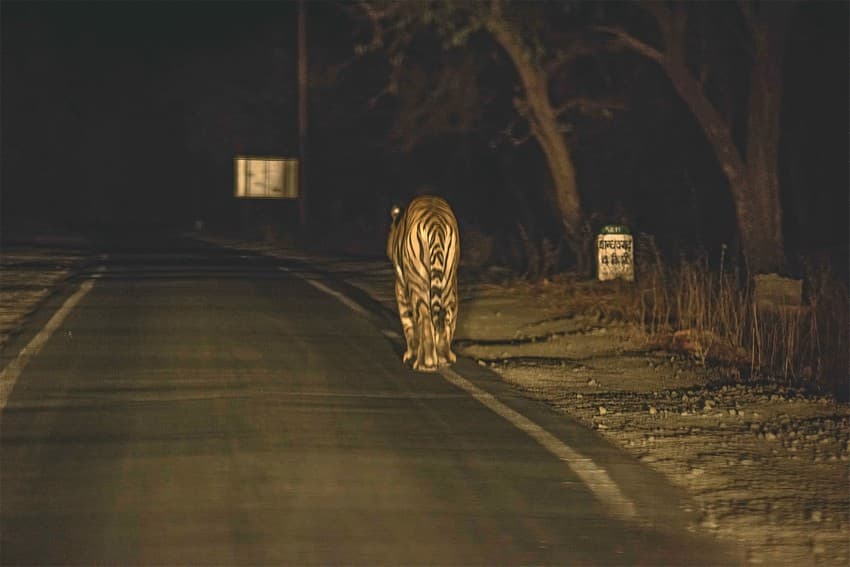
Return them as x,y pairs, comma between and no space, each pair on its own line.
132,112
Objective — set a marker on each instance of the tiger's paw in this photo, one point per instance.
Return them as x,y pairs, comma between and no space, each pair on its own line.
451,358
447,359
421,367
408,356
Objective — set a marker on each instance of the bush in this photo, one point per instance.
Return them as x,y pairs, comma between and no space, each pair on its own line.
711,313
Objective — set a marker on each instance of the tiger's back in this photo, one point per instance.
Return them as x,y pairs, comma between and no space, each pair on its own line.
424,247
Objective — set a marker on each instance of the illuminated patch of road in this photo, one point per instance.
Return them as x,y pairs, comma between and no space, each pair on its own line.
9,375
595,477
592,475
340,297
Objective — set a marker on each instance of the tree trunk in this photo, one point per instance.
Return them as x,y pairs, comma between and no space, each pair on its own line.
754,185
764,249
545,127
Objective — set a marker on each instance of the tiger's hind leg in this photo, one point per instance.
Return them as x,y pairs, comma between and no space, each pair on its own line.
444,348
444,338
426,348
406,315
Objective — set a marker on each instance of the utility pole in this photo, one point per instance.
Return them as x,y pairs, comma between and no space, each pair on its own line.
302,116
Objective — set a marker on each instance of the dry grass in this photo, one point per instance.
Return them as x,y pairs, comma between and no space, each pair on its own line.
712,314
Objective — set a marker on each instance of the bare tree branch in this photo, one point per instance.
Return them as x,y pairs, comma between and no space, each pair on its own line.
630,41
663,17
587,105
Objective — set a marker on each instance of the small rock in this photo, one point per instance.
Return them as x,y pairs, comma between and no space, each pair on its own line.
602,410
709,522
816,516
592,382
770,436
652,410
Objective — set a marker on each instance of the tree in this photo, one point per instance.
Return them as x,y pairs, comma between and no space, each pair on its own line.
518,30
752,173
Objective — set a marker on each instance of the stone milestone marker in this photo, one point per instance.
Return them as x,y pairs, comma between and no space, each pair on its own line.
616,253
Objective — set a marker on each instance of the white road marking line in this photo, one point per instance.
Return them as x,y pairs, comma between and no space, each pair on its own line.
354,306
283,268
390,334
99,273
13,370
595,477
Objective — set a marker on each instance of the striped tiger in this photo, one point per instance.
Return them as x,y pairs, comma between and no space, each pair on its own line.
424,247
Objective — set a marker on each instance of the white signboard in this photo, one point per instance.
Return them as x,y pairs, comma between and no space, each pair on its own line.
266,177
616,254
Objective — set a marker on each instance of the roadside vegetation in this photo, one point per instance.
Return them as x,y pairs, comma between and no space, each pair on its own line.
712,312
704,307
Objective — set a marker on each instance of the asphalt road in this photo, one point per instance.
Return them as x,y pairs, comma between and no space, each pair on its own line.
199,406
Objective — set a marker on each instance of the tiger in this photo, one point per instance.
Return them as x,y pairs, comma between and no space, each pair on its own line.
424,248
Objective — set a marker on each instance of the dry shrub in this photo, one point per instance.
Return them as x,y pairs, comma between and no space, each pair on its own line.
711,313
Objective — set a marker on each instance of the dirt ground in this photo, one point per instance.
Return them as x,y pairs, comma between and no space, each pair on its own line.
767,464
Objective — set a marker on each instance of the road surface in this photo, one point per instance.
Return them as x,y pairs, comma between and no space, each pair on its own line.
202,406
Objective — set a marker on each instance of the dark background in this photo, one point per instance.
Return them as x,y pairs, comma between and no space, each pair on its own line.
129,114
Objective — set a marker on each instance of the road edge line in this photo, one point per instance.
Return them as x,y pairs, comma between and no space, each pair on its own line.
596,478
342,298
9,375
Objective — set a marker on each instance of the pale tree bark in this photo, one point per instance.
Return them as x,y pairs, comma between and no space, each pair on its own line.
753,177
545,127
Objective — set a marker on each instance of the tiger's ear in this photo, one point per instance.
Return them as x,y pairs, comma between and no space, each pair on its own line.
395,211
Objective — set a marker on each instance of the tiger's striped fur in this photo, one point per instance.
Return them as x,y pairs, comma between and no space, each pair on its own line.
424,247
